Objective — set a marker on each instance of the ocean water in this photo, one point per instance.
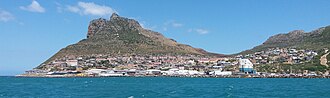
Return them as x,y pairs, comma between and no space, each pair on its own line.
162,87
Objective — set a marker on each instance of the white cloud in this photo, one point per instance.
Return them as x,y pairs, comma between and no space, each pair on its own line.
177,25
199,31
202,31
145,25
59,7
173,23
164,28
73,9
6,16
33,7
90,8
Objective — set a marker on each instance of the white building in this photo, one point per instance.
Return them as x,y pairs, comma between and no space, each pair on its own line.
221,73
72,62
246,66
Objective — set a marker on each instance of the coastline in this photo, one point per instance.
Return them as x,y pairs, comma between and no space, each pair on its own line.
179,76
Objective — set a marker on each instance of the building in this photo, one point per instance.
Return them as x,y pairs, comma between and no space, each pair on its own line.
72,62
246,66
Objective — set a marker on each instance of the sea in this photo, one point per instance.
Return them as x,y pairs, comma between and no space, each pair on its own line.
163,87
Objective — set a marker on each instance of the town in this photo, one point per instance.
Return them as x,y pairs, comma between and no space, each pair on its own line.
100,65
281,55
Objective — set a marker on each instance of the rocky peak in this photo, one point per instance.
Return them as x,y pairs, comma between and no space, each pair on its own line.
120,22
318,31
95,26
115,24
114,15
293,36
296,32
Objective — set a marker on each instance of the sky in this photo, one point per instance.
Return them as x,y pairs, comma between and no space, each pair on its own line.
31,31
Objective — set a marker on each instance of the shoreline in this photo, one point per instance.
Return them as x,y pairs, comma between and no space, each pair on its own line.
195,76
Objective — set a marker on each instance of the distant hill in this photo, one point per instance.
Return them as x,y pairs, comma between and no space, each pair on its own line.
122,36
314,40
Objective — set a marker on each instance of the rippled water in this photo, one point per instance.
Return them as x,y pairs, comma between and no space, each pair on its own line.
156,87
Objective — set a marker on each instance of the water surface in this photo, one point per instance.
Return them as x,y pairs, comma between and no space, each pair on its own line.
162,87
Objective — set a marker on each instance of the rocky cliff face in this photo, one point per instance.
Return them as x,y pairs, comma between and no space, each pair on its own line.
315,40
296,35
95,26
292,37
123,36
115,24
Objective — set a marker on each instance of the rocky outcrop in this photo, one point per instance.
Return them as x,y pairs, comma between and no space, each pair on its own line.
95,26
287,39
115,24
323,59
292,37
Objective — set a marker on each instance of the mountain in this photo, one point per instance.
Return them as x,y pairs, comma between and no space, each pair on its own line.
123,36
314,40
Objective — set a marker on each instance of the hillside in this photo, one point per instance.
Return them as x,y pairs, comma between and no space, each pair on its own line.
123,36
314,40
317,40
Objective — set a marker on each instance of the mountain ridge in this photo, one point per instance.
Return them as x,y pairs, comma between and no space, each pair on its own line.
124,36
316,40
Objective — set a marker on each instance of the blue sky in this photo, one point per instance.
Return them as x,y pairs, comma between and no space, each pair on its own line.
31,31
